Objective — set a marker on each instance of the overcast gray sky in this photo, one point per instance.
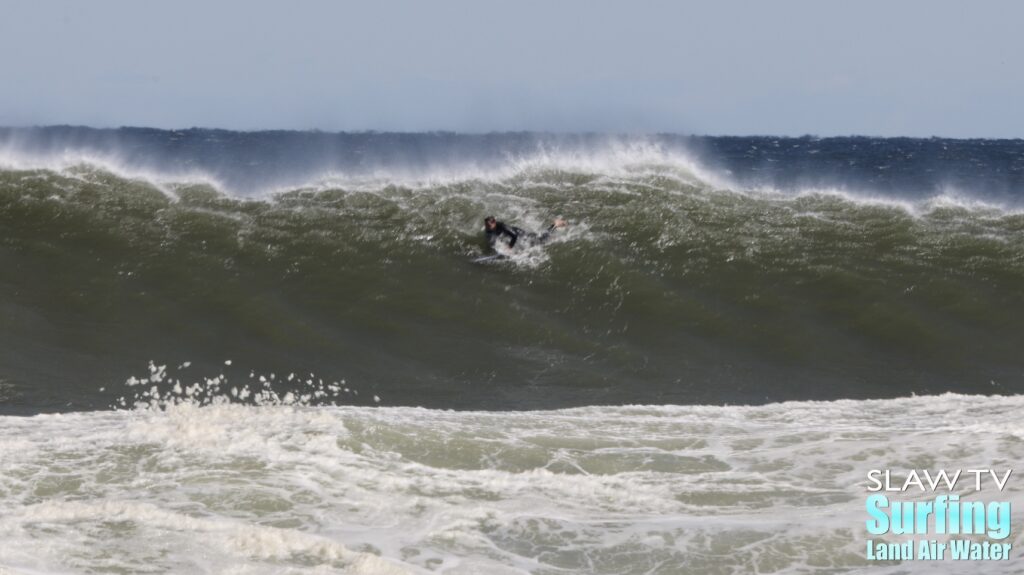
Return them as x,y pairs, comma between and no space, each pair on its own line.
912,67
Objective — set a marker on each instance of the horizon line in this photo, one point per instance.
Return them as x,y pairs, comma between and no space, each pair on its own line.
450,132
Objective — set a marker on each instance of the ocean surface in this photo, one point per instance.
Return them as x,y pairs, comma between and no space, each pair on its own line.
272,352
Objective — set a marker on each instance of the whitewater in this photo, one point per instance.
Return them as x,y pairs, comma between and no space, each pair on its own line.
628,489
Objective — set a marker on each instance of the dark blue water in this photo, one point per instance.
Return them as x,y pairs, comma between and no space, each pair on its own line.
914,167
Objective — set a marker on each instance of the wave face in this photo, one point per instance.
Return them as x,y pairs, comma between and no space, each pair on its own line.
709,270
663,490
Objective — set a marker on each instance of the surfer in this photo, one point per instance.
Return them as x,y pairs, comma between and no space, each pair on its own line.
494,229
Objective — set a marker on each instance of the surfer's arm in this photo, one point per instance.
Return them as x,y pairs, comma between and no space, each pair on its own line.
511,233
558,223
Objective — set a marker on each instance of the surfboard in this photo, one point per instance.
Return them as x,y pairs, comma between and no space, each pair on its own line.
488,259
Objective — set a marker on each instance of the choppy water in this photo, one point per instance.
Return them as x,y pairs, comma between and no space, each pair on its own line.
624,490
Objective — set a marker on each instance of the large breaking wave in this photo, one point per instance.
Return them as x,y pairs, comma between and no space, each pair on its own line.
676,283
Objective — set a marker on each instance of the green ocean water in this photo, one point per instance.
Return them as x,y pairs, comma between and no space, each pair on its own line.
666,288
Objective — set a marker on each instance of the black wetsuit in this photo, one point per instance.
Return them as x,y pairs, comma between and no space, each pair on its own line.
501,229
515,233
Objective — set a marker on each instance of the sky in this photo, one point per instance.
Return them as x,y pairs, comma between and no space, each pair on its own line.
786,67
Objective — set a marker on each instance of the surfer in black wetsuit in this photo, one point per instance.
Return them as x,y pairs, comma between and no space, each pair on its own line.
494,229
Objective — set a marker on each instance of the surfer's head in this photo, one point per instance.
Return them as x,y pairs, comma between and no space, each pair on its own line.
490,222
